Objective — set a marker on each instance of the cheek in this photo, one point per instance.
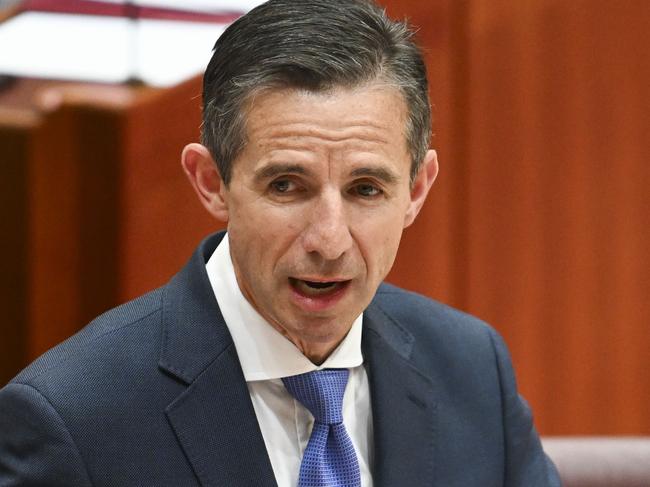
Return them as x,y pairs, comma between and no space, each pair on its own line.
390,246
266,239
378,243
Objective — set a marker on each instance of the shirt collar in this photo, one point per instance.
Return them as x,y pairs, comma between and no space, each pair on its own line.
264,353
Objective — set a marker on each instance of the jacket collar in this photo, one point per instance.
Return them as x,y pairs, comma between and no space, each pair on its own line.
192,333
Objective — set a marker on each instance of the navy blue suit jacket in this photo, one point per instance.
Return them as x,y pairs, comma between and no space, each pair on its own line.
152,394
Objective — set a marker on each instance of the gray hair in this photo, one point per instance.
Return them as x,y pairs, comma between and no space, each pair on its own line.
317,45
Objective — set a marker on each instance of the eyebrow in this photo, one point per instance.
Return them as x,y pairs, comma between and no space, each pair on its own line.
271,170
380,173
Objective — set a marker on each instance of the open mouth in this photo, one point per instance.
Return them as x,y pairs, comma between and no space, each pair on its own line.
317,288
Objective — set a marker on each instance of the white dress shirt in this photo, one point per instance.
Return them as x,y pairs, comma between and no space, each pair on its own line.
266,356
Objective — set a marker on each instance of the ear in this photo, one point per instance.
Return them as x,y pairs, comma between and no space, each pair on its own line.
420,187
201,170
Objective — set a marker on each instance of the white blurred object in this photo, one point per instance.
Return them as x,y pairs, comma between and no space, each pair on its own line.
113,49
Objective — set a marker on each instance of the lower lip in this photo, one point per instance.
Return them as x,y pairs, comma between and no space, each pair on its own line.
322,302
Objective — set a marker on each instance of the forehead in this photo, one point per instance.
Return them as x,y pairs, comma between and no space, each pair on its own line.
374,113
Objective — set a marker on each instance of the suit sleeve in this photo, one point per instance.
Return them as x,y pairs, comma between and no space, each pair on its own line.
526,463
36,448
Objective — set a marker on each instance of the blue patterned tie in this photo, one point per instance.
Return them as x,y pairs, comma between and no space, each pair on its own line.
329,459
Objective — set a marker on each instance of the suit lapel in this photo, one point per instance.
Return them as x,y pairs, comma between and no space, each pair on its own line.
213,419
403,409
216,426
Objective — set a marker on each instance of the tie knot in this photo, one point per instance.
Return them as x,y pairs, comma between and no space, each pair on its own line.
321,392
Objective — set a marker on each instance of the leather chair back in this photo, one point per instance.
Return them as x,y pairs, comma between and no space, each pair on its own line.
601,461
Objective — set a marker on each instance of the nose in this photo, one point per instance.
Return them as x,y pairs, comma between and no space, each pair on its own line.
328,232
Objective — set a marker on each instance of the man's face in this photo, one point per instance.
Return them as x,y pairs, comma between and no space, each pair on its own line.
316,206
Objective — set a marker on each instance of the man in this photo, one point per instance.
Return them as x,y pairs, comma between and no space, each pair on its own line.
306,369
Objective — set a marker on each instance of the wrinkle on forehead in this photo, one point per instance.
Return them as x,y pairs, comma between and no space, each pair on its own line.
307,138
368,132
338,118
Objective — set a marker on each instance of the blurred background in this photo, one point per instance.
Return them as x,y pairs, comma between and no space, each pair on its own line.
539,221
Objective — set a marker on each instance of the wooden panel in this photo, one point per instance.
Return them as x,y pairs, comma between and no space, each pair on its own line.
558,203
428,259
14,141
161,220
54,243
97,207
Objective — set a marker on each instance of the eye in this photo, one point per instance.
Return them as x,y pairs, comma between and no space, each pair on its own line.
283,186
367,190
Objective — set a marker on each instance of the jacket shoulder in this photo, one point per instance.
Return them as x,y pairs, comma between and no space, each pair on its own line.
416,311
104,333
455,336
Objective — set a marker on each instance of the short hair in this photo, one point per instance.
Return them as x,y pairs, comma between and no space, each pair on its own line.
316,45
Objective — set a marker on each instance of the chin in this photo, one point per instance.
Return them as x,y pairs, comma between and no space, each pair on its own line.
313,324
